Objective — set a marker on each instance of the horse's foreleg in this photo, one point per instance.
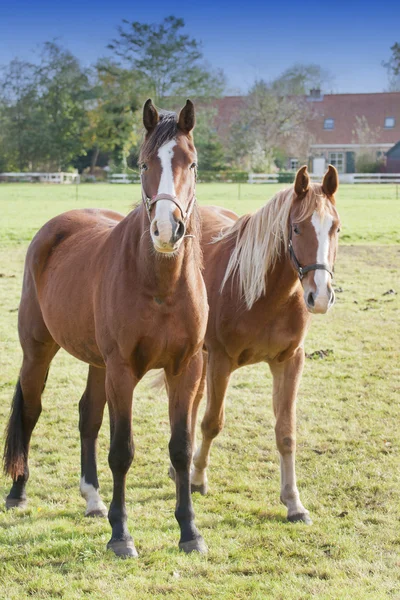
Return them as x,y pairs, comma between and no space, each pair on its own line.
286,380
219,369
200,393
91,409
120,384
182,390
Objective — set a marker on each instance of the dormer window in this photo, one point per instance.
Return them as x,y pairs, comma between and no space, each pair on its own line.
390,122
329,124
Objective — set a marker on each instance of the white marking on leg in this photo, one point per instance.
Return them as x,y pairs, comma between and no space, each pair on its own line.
289,493
92,497
200,463
322,226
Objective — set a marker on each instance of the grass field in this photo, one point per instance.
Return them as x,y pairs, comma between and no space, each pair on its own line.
348,442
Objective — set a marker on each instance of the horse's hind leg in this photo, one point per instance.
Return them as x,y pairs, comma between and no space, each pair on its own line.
91,409
25,411
286,376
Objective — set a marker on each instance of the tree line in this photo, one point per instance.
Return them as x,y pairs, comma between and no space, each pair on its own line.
57,115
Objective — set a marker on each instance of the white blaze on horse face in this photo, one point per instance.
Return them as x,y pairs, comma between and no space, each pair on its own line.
323,296
164,221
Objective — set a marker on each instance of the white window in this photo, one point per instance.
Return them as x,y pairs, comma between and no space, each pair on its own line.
389,122
337,160
329,124
294,163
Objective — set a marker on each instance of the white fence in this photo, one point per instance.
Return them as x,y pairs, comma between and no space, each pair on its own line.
41,177
124,178
369,178
343,177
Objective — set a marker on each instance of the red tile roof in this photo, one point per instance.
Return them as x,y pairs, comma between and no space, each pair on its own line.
343,108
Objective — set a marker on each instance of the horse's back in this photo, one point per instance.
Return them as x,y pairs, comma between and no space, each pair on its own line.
71,230
214,219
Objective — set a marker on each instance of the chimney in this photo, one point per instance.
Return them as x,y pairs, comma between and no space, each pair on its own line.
315,93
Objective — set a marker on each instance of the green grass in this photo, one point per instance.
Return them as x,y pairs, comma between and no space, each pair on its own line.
348,442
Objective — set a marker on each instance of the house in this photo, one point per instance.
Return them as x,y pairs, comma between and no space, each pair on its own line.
341,127
393,159
346,126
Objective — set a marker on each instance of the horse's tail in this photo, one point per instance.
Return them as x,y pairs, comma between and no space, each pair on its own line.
14,458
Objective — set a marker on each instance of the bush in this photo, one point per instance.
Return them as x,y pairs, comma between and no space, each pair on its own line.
365,163
286,176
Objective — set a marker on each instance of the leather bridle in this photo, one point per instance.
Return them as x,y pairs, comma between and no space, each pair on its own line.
301,271
150,202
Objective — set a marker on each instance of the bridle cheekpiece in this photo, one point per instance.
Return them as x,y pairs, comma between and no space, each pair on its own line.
301,271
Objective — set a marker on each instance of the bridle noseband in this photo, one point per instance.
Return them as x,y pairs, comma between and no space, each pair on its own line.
150,202
301,271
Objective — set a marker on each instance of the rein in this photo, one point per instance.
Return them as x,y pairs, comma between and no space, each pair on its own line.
301,271
150,202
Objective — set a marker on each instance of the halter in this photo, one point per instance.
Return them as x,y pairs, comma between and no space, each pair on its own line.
301,271
150,202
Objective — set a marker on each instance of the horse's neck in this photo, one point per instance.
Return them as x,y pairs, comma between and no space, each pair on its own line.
163,275
281,282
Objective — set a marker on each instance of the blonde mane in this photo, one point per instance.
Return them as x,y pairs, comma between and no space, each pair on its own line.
261,239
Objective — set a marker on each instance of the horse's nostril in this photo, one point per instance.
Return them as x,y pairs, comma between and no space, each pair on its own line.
310,299
156,232
180,230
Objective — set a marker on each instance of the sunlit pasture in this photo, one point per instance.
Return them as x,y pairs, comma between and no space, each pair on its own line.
348,461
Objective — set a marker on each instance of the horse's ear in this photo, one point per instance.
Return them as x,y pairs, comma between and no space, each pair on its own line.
187,119
302,181
150,115
331,181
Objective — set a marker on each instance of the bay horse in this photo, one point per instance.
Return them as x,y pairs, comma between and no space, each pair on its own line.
265,273
124,295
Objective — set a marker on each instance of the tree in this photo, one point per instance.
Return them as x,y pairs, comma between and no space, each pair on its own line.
299,79
168,61
364,135
64,91
111,116
43,110
210,151
19,114
269,121
393,68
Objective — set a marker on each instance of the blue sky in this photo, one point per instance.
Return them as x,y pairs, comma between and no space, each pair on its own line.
248,40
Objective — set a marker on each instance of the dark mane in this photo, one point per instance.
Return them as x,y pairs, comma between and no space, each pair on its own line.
165,130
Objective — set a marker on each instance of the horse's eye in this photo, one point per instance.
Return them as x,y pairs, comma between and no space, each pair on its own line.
193,166
143,167
338,229
296,229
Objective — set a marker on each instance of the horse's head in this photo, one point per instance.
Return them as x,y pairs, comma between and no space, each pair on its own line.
168,162
314,227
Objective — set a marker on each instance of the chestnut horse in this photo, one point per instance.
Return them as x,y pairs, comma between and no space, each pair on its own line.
265,273
125,295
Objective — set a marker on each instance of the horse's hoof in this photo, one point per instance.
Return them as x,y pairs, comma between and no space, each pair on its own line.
300,517
171,473
202,488
197,545
16,503
123,548
97,513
